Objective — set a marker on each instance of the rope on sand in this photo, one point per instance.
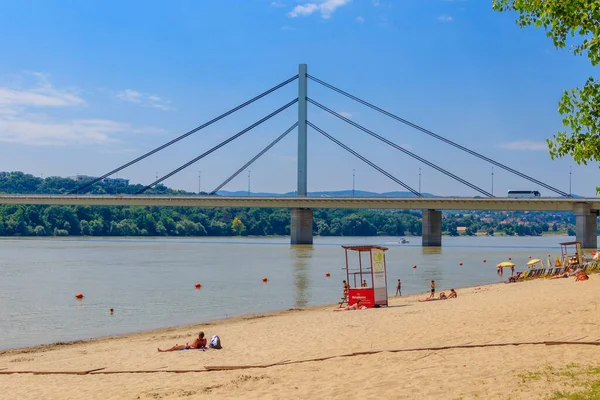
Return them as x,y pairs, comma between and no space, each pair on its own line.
51,372
100,371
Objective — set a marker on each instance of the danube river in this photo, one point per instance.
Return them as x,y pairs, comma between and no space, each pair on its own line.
150,282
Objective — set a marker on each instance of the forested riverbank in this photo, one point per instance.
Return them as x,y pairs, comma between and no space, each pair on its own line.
34,220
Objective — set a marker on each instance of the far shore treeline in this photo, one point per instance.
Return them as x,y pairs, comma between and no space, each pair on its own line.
34,220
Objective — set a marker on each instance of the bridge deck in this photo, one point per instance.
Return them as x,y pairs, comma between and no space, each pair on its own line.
404,203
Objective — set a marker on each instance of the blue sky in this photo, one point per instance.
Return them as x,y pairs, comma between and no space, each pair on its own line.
87,86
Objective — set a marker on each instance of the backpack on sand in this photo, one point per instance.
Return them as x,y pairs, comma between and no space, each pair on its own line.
215,342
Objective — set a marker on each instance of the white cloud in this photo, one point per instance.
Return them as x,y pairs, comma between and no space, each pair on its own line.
23,121
130,95
40,94
277,4
360,19
325,7
345,114
376,3
40,131
445,18
146,100
527,145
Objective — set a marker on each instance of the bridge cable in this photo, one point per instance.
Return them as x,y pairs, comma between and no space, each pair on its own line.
187,164
239,107
443,139
334,140
390,143
256,157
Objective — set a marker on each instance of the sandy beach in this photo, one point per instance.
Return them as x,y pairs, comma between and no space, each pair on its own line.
529,311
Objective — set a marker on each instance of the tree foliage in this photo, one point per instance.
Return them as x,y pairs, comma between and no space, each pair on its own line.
35,220
575,23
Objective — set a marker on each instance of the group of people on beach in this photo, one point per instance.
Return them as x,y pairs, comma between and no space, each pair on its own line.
579,274
358,305
452,295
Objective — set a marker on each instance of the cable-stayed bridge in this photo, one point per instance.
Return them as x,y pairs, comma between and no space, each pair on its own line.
586,210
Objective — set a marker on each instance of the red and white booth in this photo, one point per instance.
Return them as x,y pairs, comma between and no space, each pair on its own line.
368,283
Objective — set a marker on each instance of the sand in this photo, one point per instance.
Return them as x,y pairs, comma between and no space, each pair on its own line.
529,311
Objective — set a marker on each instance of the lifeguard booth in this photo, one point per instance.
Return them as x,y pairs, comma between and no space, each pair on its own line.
571,254
374,294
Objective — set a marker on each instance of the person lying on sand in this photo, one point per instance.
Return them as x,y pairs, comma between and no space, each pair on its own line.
582,277
199,343
442,297
576,272
355,306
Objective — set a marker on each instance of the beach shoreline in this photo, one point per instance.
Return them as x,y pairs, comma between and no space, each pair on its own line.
490,342
211,322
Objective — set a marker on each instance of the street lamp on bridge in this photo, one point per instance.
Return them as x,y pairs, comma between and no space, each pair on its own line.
248,182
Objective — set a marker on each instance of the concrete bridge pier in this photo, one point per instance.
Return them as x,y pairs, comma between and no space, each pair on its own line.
301,228
432,228
586,225
301,224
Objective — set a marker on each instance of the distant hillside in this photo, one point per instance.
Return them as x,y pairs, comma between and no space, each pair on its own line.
338,193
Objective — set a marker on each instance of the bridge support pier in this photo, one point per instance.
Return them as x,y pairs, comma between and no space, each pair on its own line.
586,225
301,227
432,228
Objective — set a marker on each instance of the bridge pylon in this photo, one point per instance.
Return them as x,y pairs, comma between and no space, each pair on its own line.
586,225
301,224
431,228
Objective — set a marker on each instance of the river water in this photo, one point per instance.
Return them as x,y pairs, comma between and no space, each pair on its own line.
150,282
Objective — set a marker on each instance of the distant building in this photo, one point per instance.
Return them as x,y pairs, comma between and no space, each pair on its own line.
117,181
80,178
87,178
461,229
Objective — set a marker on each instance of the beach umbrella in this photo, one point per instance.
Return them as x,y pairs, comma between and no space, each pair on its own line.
532,263
505,264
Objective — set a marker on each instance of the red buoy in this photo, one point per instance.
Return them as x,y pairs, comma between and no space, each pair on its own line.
79,296
509,258
529,256
460,263
414,267
484,260
265,279
327,274
198,285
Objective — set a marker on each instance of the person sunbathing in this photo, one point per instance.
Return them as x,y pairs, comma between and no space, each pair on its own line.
582,277
199,343
452,294
442,297
355,306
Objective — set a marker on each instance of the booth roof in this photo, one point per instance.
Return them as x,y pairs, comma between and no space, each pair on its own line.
568,243
363,247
